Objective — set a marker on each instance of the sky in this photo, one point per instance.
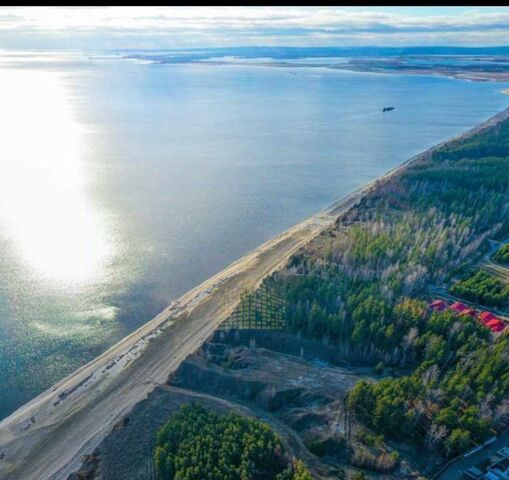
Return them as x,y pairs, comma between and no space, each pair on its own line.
103,28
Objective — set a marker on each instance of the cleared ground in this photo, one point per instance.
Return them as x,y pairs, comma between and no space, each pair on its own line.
301,399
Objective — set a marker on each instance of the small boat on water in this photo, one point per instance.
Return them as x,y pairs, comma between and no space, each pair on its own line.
388,109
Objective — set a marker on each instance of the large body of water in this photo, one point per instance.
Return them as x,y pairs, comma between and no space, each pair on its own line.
123,184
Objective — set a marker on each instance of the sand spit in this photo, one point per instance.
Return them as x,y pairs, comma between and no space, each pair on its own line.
46,438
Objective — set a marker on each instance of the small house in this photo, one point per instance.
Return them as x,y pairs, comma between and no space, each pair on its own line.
496,325
469,312
438,305
486,317
458,307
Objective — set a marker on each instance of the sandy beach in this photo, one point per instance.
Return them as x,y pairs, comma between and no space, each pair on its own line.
46,438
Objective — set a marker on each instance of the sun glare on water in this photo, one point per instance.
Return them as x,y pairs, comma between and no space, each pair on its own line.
44,208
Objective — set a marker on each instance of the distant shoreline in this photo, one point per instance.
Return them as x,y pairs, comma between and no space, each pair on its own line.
458,73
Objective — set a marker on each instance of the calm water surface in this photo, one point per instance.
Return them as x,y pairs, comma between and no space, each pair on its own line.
124,184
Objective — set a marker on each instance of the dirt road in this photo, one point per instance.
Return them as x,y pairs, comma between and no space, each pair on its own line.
498,271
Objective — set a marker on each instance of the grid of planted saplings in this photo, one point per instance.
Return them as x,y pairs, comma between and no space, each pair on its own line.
261,309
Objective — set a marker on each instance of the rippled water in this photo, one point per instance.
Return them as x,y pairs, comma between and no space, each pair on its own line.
123,184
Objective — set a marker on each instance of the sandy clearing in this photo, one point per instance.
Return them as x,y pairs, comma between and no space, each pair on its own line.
46,438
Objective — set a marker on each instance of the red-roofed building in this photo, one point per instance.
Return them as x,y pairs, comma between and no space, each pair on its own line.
438,305
496,325
485,317
458,307
470,312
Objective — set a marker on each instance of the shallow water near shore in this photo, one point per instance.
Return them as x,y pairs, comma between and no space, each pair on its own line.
124,184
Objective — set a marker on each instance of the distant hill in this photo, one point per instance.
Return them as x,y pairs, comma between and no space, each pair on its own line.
317,52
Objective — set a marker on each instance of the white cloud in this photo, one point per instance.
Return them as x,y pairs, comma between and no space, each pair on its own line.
217,26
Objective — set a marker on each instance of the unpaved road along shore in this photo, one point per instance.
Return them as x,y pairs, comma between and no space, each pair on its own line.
46,438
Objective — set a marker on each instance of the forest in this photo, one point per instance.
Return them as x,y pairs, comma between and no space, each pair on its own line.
502,255
482,288
363,285
199,444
